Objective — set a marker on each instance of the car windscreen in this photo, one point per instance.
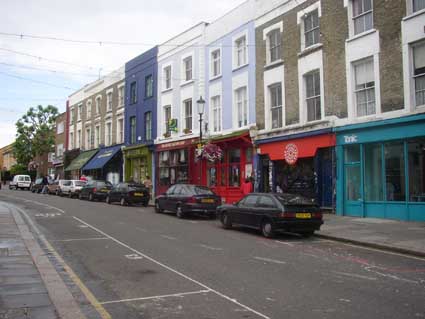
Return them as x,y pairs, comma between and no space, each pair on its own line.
80,183
133,187
292,199
101,184
202,190
27,179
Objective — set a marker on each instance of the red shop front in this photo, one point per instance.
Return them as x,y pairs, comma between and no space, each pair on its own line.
226,176
175,163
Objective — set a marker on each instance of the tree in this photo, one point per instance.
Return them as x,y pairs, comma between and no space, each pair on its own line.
35,133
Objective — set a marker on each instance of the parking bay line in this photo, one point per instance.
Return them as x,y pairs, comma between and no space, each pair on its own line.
175,271
156,297
80,239
275,261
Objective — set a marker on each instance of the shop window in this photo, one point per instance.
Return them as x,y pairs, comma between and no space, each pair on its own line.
352,182
352,153
419,72
394,172
373,185
312,87
365,87
416,150
234,167
173,167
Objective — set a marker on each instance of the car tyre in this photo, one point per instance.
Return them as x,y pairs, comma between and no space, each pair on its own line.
33,191
70,195
267,229
179,212
226,220
123,202
158,209
91,197
108,200
57,192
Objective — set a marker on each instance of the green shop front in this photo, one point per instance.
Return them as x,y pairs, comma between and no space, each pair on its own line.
381,169
73,170
138,163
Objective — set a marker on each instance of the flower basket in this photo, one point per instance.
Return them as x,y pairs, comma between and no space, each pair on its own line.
187,131
210,152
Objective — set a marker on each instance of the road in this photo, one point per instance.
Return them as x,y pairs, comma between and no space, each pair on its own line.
129,262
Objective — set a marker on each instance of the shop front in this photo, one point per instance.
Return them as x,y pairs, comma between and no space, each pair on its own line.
301,163
73,170
381,169
106,165
138,163
226,175
175,163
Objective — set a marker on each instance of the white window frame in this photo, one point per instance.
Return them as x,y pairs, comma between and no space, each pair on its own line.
272,107
313,96
60,128
121,95
88,109
120,130
88,139
301,15
97,133
59,150
164,77
236,39
411,7
414,77
266,37
98,103
148,128
108,133
79,136
109,100
213,61
184,115
216,121
164,122
147,77
351,28
185,70
357,91
79,111
244,106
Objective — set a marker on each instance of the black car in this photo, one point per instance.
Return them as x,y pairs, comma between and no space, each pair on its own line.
37,186
184,199
95,190
129,194
273,212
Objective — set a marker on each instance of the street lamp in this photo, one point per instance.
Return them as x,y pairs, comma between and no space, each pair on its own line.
201,109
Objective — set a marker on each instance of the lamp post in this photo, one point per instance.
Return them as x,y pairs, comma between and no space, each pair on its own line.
201,109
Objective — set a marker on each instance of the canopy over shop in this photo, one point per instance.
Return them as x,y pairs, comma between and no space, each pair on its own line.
299,163
73,170
106,165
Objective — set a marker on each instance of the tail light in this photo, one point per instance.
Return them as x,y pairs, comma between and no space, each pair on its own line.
192,200
287,215
317,215
94,190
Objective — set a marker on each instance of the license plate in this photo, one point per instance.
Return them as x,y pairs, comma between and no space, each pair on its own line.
104,190
207,200
138,194
303,215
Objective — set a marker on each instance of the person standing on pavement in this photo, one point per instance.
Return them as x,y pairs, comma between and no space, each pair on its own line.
148,184
246,187
45,182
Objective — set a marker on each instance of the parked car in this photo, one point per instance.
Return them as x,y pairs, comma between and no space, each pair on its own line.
273,212
20,182
184,199
129,194
95,190
37,186
72,188
55,187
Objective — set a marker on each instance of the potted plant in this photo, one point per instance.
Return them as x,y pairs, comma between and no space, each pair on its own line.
210,152
167,134
187,131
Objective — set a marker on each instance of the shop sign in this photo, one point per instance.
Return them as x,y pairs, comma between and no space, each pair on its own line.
349,139
172,125
291,153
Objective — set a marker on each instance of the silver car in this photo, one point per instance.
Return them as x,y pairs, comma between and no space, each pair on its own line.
71,188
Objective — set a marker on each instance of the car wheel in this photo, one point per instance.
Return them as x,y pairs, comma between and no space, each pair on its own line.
267,229
70,195
57,193
80,196
146,203
91,198
226,220
123,201
108,200
33,191
158,208
179,212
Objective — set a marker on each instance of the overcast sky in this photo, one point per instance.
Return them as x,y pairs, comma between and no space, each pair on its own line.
134,21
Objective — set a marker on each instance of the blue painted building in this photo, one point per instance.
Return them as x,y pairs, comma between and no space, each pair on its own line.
141,76
381,169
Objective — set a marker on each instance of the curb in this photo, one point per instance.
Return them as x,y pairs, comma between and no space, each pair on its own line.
62,299
400,250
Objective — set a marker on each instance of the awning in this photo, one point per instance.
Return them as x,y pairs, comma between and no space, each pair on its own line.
290,150
81,160
102,158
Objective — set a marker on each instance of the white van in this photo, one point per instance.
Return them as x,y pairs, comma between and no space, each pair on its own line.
20,182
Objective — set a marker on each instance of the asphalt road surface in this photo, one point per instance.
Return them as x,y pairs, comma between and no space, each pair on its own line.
129,262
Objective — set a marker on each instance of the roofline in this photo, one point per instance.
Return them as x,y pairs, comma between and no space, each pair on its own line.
181,33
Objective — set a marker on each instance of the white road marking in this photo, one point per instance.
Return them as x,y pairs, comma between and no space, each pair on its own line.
38,203
284,243
372,269
210,247
354,275
80,239
83,226
141,229
271,260
193,222
47,215
133,257
175,271
168,237
156,297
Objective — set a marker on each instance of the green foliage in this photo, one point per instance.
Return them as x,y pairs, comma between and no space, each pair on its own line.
18,169
35,133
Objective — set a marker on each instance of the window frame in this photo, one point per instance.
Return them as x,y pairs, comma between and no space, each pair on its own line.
109,103
148,86
415,76
241,105
148,125
186,68
313,29
167,111
366,88
243,48
315,97
133,129
133,92
276,107
215,63
166,80
361,15
217,126
277,46
188,118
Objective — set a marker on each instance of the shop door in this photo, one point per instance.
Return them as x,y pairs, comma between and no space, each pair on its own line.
325,171
353,203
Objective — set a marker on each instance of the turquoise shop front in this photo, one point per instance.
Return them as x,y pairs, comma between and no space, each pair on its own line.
381,169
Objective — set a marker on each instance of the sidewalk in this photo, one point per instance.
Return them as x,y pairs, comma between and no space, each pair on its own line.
29,285
392,235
